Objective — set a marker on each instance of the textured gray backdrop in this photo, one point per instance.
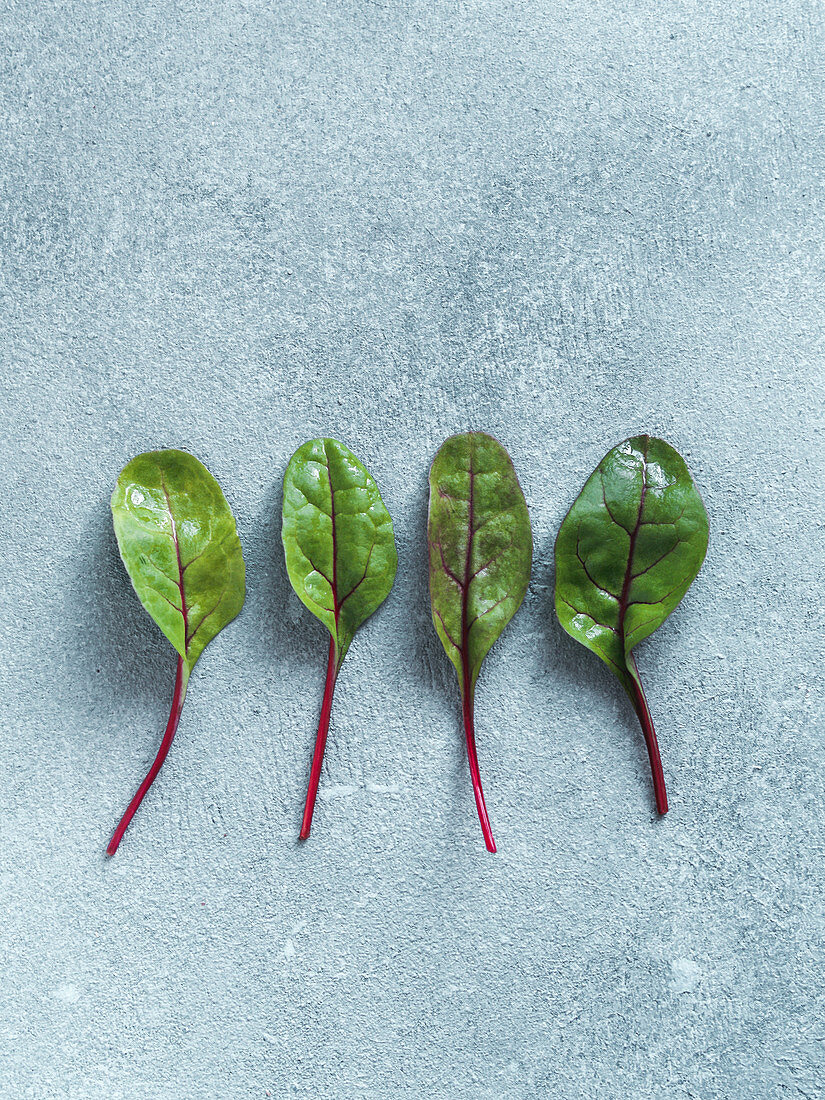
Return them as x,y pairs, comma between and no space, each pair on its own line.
230,226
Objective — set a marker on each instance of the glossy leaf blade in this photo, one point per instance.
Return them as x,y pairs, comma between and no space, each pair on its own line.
480,547
480,556
338,538
178,540
626,553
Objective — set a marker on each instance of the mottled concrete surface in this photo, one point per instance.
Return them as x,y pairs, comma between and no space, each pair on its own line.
230,226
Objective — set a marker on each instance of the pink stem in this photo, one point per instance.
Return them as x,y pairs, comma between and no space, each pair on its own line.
320,741
168,737
642,710
467,710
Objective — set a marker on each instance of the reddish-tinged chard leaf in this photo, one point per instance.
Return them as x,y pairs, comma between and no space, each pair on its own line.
340,557
626,553
178,541
481,552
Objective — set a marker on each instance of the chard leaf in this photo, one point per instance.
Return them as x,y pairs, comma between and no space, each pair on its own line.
178,541
340,556
480,550
626,553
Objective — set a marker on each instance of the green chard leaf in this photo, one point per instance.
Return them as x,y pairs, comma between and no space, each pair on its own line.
340,556
626,553
481,551
178,541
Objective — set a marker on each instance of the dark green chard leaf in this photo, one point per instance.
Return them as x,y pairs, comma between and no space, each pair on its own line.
340,557
626,553
178,541
481,552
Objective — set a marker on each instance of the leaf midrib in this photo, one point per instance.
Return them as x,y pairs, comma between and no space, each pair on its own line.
465,587
336,606
184,610
624,602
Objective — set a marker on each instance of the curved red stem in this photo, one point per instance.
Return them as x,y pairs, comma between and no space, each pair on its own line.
320,741
168,737
469,732
643,711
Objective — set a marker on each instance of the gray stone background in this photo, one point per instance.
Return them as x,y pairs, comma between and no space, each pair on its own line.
231,226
